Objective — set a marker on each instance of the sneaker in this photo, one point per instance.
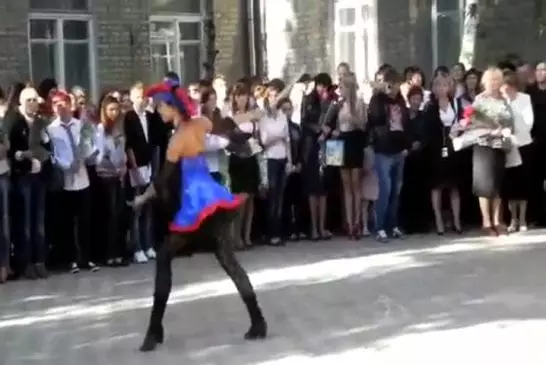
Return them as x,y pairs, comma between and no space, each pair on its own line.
397,233
151,254
92,267
523,228
275,241
140,257
74,269
382,236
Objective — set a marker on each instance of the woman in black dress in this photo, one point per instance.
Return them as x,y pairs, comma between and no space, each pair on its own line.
413,214
243,166
441,114
314,133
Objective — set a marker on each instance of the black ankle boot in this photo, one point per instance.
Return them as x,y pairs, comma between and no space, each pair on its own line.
154,337
258,325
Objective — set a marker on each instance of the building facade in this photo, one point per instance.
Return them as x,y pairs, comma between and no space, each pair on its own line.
319,34
112,43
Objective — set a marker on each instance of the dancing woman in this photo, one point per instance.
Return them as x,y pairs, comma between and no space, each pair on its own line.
194,204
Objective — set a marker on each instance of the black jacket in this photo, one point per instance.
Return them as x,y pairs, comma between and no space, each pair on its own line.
382,138
136,139
24,136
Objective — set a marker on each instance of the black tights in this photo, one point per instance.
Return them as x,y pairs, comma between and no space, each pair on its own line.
214,228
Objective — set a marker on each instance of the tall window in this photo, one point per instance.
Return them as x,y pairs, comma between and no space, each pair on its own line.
176,45
353,35
447,31
61,48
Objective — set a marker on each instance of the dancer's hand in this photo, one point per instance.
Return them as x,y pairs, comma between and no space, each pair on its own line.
138,202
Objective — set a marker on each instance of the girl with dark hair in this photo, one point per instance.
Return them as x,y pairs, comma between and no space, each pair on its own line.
458,72
195,206
314,133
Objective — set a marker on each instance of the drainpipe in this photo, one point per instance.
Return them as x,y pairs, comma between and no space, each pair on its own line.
244,31
259,21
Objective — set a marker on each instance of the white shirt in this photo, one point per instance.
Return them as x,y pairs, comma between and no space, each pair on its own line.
214,151
447,116
274,135
523,118
144,123
64,156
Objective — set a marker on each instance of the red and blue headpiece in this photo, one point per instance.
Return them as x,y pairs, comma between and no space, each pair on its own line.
170,92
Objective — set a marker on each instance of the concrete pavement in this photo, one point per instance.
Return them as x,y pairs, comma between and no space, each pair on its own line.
424,300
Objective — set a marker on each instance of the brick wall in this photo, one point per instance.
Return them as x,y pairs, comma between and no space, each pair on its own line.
14,62
227,20
123,52
404,34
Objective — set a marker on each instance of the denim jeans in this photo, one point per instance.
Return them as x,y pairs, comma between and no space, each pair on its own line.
5,238
141,228
390,171
31,191
276,173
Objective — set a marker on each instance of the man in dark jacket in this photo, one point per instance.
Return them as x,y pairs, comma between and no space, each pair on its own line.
391,140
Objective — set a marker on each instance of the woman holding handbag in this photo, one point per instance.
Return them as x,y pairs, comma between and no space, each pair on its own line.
348,122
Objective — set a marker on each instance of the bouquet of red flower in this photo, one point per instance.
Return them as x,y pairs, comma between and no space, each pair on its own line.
475,117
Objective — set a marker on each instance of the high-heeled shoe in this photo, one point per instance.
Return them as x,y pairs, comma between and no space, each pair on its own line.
258,326
357,232
154,336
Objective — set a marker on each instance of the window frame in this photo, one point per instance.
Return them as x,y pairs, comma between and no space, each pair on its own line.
435,14
60,42
61,10
175,20
365,31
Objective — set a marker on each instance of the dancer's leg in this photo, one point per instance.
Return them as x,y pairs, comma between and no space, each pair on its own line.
163,284
225,256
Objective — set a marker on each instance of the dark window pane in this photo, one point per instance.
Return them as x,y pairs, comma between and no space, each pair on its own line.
43,61
449,38
176,6
347,42
76,66
189,31
59,5
43,29
190,63
161,65
162,31
447,5
347,16
163,49
75,30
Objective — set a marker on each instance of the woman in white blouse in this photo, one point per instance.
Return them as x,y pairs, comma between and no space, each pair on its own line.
516,185
274,135
111,169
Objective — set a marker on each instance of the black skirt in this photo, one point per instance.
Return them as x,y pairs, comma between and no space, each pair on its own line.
244,174
518,182
487,171
353,149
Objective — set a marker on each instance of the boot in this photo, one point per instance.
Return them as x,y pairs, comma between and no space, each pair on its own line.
154,337
155,334
258,326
